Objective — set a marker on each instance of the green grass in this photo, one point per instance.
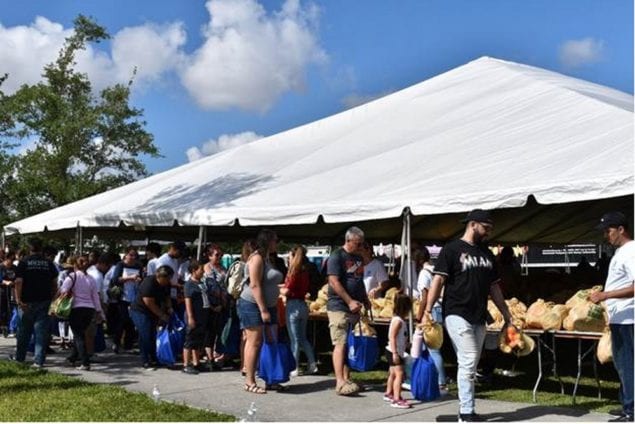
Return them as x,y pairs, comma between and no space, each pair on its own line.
31,395
519,388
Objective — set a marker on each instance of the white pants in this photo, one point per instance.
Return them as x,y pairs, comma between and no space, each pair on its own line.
467,340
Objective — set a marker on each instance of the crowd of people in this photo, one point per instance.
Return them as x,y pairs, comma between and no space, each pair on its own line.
227,320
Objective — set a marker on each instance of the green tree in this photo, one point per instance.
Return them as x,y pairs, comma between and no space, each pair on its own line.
83,143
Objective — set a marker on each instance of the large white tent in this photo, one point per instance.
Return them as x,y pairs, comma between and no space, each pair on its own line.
548,152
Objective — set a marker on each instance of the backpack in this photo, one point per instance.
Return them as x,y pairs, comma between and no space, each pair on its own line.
236,278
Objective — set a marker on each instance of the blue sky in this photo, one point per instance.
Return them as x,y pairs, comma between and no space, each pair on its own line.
214,74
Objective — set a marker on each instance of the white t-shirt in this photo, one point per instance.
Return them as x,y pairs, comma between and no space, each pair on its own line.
374,274
184,272
107,280
102,289
425,281
173,263
152,266
621,275
401,336
404,283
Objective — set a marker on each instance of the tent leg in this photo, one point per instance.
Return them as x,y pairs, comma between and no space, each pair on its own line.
199,247
80,240
405,262
3,239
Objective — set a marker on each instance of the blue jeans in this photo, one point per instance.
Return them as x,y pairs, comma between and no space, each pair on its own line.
435,354
297,320
467,340
34,319
622,345
147,335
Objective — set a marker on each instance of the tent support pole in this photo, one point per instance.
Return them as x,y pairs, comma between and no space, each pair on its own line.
199,247
405,261
3,239
79,239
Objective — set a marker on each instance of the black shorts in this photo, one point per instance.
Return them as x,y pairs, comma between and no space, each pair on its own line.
194,337
391,363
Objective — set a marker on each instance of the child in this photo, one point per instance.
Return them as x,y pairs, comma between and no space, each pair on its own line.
395,352
197,316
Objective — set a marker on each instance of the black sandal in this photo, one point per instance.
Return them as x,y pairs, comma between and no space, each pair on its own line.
277,387
254,388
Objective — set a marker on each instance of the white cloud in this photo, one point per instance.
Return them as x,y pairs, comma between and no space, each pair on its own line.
153,49
224,142
24,50
250,57
575,53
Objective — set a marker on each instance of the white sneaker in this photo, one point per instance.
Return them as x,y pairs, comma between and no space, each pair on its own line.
313,369
37,366
405,386
295,373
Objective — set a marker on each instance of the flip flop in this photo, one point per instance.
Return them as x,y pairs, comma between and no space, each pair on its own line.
347,389
254,388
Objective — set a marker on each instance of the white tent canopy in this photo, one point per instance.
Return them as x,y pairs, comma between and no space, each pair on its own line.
487,134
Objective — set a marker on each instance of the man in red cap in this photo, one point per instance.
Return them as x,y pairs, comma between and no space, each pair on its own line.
618,296
466,267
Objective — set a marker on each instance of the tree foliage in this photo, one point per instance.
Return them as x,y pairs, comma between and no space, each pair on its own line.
60,141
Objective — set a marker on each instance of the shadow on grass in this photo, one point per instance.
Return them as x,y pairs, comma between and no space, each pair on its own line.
24,385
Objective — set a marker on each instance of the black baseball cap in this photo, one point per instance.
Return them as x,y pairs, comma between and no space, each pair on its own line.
612,219
478,215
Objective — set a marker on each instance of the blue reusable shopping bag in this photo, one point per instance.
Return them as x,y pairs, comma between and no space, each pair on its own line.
362,351
170,340
15,320
165,355
177,333
276,359
424,382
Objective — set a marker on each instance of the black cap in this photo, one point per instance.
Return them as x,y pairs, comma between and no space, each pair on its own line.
612,219
478,215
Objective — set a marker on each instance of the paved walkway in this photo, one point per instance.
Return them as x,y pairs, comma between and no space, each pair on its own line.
309,398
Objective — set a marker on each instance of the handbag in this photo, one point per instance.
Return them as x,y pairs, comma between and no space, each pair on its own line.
424,381
362,351
62,305
276,359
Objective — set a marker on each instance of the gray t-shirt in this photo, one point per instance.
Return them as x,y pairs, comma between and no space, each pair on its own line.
349,268
271,278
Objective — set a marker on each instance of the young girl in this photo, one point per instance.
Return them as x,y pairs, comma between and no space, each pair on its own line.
395,352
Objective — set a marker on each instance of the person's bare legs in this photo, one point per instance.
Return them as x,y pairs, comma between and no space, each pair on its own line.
253,341
341,370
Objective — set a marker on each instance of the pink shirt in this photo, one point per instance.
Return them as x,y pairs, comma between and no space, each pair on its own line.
85,294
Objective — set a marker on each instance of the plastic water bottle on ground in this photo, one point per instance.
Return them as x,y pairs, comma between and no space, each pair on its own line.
251,412
156,394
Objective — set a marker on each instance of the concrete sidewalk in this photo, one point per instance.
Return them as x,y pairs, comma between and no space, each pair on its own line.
309,398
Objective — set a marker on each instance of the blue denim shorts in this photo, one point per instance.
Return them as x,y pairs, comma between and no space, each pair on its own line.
249,314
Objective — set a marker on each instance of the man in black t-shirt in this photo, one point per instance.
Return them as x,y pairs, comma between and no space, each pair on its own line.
467,269
35,286
153,304
346,295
